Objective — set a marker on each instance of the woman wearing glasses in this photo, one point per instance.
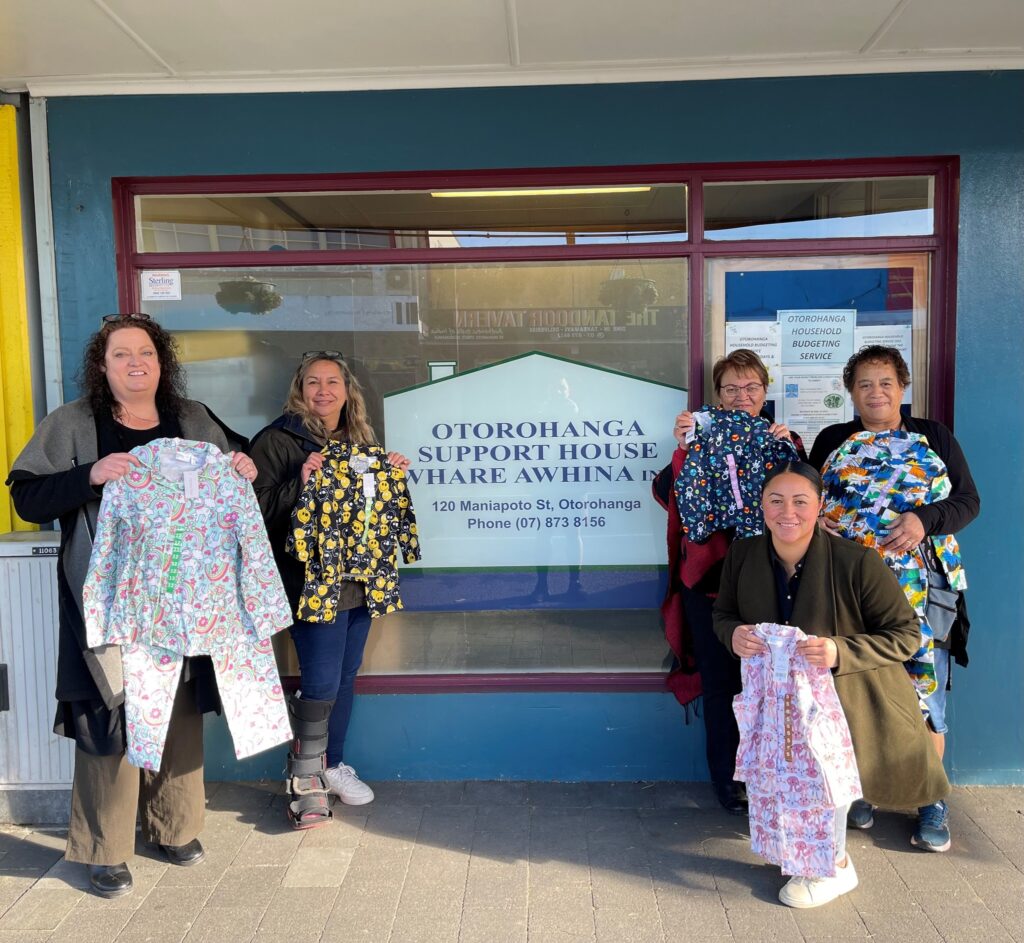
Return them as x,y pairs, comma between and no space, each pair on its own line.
325,402
133,393
741,382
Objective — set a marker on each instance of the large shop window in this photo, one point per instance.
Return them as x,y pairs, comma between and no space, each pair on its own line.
526,338
535,400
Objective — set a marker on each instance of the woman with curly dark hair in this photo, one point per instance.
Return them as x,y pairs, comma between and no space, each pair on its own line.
133,388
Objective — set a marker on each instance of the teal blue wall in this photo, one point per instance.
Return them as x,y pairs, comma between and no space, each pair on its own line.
563,737
973,115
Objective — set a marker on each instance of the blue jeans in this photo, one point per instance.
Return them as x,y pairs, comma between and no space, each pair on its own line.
936,701
329,658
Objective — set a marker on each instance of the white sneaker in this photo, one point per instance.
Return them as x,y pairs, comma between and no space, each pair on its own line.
347,786
813,892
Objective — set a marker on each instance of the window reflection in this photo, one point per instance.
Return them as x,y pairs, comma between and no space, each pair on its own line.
410,219
819,209
400,326
392,321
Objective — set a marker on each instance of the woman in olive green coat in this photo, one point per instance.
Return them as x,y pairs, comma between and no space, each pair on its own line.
848,594
861,626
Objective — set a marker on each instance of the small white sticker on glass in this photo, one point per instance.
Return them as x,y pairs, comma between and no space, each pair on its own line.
162,285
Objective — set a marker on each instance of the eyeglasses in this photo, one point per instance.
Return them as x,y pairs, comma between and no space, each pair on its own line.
751,389
127,316
322,355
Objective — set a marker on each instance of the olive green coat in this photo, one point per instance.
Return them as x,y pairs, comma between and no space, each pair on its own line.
847,592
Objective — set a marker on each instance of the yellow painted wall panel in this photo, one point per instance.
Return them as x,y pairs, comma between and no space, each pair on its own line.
15,379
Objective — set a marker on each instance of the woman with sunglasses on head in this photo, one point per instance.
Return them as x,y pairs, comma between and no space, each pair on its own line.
325,402
741,382
133,393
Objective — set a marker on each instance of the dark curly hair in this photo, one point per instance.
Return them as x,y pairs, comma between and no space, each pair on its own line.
170,391
876,353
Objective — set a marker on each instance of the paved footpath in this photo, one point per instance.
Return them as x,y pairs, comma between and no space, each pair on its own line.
523,862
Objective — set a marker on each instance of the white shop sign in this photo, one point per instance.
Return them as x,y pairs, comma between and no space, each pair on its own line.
536,461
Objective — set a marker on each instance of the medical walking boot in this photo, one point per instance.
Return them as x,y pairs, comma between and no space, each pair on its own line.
309,804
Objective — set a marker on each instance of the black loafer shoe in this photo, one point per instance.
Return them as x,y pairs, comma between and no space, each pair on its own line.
110,880
731,797
184,855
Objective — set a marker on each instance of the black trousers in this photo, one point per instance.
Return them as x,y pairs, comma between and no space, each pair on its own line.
720,681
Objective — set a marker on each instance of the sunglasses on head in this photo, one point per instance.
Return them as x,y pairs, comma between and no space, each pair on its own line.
127,316
322,355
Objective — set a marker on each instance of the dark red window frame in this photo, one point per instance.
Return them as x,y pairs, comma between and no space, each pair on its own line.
942,320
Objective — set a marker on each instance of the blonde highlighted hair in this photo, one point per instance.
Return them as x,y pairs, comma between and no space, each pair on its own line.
353,425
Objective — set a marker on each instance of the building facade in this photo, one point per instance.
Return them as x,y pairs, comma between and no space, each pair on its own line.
530,282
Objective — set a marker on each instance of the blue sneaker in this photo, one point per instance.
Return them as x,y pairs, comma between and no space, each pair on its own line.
861,814
932,832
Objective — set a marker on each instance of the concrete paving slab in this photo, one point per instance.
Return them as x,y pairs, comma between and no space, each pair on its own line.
318,867
839,920
301,912
40,909
418,793
13,884
496,905
495,793
522,863
764,924
554,795
25,849
970,922
910,924
621,795
25,936
560,903
218,924
268,848
252,886
678,795
167,913
97,926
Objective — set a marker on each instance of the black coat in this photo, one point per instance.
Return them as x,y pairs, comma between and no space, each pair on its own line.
279,451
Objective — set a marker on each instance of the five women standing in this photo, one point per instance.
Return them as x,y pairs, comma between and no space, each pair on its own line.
840,594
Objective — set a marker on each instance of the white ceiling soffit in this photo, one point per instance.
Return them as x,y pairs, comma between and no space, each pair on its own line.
90,47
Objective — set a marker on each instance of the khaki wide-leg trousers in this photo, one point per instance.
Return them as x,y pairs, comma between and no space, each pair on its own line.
108,791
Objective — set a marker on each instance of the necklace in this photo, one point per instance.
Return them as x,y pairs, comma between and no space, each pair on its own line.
147,422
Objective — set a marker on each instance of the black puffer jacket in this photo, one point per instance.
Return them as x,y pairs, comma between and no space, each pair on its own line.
279,451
